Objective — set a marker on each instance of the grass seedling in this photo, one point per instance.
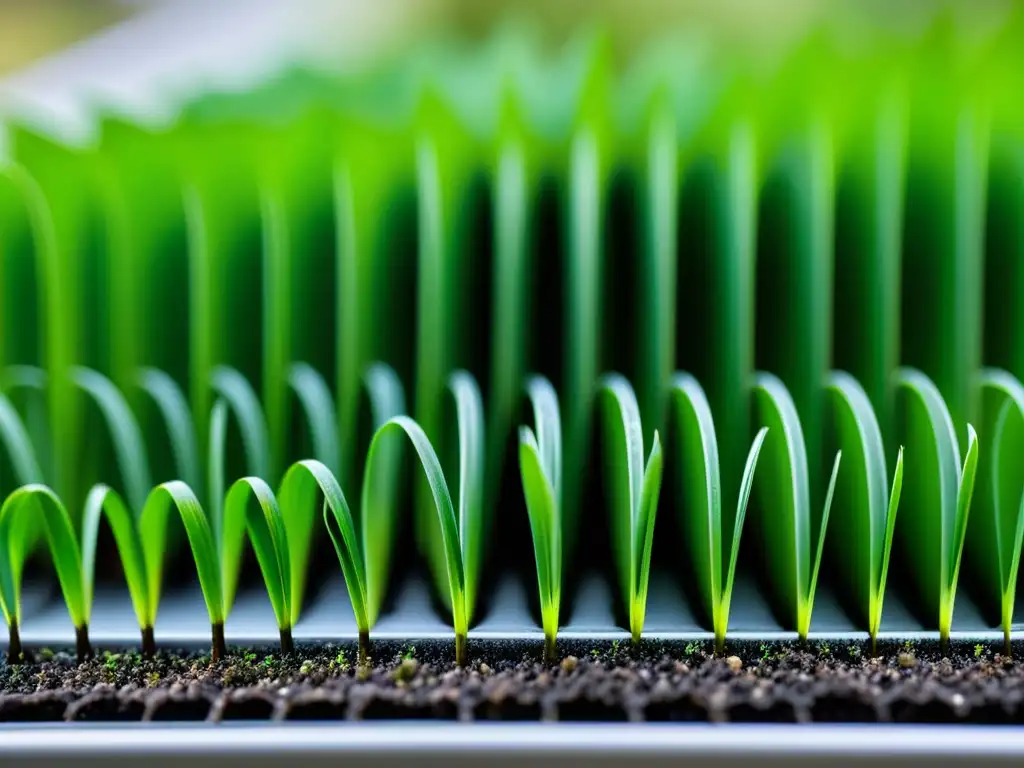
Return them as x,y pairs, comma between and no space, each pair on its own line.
794,553
864,517
633,493
540,465
700,502
997,525
936,486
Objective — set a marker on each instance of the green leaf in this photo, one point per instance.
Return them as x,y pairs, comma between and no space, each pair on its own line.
998,520
540,466
321,417
379,508
153,534
442,501
785,493
866,509
469,414
304,483
173,406
104,501
937,494
700,501
633,492
124,431
232,387
39,501
18,444
264,524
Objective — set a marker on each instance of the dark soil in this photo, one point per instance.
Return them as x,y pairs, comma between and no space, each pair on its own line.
506,681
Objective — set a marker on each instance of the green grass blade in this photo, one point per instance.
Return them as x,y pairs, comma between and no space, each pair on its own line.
890,528
785,496
861,514
18,444
445,511
321,417
173,406
265,526
931,489
1000,495
582,325
542,508
379,508
820,547
700,488
232,387
153,534
742,501
304,483
643,540
469,410
124,432
965,492
623,472
41,502
104,501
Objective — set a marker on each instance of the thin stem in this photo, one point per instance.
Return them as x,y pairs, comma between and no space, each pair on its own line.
287,646
719,643
83,648
1007,648
460,649
364,646
549,649
874,644
148,642
219,647
14,646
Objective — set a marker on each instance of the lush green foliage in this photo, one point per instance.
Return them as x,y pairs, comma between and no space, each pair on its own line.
212,322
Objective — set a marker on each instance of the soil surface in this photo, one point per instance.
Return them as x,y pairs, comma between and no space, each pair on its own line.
752,682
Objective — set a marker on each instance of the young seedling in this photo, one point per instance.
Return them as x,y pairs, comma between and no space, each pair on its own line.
864,517
540,465
460,535
938,492
794,555
633,493
997,524
700,504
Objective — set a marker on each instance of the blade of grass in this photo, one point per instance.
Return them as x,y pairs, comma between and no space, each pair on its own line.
866,508
1000,496
126,436
153,534
700,499
934,481
18,444
40,502
173,406
264,524
304,483
446,517
785,494
540,463
321,417
634,492
379,512
104,501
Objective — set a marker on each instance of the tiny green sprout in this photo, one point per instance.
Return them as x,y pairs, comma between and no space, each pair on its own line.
595,653
765,652
908,645
269,661
306,667
978,650
615,647
825,650
853,651
250,658
410,653
340,661
691,648
153,679
110,660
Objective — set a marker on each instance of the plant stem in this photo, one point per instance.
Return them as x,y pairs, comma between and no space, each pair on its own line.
460,649
1007,648
549,649
874,644
219,647
287,646
83,648
148,642
14,646
719,644
364,645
